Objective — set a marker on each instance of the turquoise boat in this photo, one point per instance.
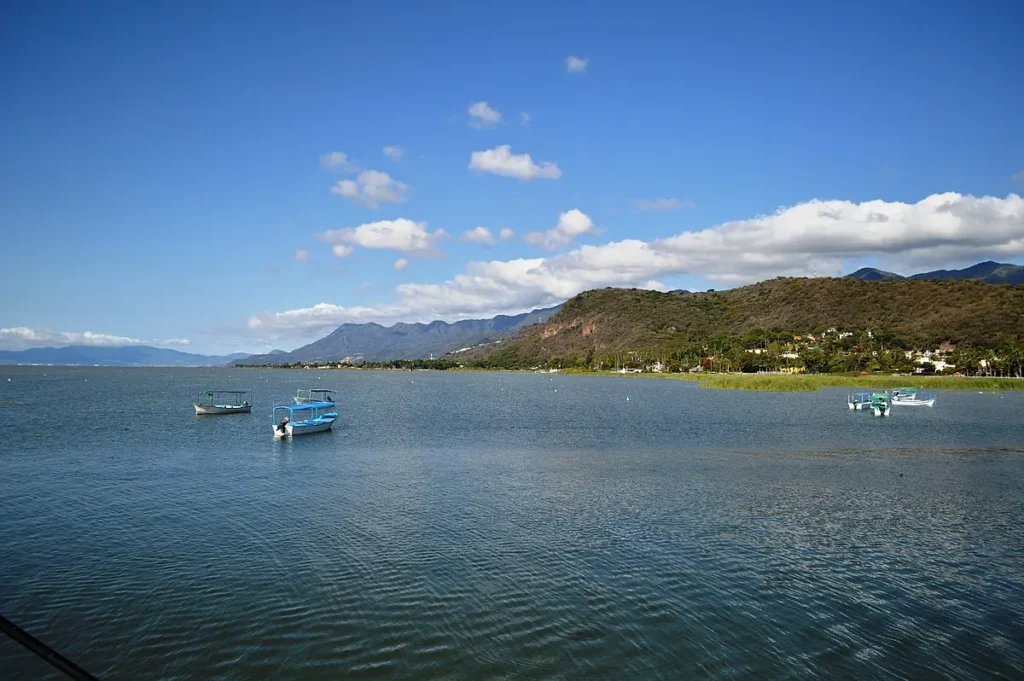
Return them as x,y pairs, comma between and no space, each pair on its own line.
223,402
881,404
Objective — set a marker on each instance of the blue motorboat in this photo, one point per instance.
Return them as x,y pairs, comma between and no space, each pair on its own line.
303,419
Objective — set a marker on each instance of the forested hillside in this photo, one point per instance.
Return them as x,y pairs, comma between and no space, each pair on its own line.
901,314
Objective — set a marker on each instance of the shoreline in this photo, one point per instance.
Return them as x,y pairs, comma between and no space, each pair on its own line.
756,382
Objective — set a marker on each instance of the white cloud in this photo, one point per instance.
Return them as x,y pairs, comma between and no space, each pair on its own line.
479,235
21,338
501,161
401,235
822,236
576,64
300,255
371,188
507,233
341,250
483,116
400,264
338,160
571,224
394,153
524,118
315,320
367,286
652,205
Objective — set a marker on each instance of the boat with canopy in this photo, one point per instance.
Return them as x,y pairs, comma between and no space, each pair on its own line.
308,396
881,404
212,402
859,401
910,398
302,419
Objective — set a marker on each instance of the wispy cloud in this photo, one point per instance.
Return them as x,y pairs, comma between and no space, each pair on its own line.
481,115
525,118
338,160
821,236
341,250
371,188
479,235
501,161
654,205
300,255
571,224
22,338
394,153
576,64
403,235
507,233
400,264
1018,178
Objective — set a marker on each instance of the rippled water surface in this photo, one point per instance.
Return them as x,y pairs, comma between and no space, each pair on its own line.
494,526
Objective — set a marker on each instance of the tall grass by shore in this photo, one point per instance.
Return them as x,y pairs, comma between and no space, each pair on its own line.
811,382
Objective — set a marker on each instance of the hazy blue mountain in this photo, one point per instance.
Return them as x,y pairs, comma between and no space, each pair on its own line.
988,271
376,343
872,274
129,355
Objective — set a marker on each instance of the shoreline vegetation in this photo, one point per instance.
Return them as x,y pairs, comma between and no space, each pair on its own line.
722,381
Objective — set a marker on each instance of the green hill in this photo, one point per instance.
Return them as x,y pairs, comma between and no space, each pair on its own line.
904,313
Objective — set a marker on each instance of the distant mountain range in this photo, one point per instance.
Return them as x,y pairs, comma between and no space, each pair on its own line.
375,343
125,356
989,272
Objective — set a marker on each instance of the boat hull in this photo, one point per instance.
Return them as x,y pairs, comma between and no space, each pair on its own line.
299,428
214,410
916,403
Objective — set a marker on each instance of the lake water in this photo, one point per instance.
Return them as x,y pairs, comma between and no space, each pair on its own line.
500,526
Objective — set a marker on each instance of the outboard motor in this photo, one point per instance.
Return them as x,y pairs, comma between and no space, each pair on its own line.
284,423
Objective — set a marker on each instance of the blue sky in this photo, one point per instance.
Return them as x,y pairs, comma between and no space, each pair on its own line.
164,163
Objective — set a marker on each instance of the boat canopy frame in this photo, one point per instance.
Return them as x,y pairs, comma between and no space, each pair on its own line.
311,392
314,407
212,396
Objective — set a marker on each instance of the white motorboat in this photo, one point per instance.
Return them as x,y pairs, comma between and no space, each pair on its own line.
308,396
859,401
909,397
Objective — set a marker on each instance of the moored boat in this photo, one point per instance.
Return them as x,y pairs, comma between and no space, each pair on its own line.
859,401
303,419
881,404
310,395
910,398
214,402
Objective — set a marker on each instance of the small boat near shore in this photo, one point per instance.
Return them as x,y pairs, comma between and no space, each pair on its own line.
910,398
303,419
881,404
859,401
215,402
311,395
